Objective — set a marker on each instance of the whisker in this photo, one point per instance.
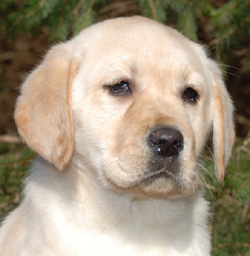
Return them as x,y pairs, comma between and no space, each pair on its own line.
205,157
206,171
207,186
228,66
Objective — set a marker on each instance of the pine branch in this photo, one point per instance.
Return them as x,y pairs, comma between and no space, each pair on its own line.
153,9
228,33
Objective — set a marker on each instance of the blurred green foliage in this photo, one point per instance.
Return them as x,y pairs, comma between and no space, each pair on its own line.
231,203
13,166
223,26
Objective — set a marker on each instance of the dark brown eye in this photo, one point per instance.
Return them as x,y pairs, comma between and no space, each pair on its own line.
120,88
190,95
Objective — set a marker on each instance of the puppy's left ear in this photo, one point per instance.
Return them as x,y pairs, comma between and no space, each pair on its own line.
223,124
43,111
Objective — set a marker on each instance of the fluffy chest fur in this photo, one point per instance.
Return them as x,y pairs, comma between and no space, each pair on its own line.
90,221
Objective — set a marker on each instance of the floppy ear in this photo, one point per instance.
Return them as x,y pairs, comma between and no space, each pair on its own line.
223,125
43,111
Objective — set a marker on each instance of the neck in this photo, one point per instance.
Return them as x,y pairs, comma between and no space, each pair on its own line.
87,208
111,208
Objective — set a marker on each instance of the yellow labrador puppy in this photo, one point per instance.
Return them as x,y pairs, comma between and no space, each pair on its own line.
119,116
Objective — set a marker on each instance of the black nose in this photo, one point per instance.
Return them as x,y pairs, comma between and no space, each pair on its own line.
166,141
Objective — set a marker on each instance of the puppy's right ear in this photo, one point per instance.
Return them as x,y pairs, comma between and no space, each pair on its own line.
43,111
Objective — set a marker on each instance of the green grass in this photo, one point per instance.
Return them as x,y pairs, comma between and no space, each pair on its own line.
231,204
230,221
13,167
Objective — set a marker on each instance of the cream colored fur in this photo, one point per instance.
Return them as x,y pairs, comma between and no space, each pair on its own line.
85,194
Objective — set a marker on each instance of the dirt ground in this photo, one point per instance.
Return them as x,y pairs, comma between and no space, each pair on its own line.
18,58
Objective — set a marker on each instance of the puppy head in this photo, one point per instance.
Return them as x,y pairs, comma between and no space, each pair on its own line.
143,100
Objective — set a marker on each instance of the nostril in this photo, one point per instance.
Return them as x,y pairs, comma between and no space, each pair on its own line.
166,141
159,141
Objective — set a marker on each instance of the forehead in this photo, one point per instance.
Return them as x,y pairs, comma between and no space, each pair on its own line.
136,44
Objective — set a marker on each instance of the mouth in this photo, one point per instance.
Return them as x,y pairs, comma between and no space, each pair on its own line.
157,168
163,167
153,182
152,176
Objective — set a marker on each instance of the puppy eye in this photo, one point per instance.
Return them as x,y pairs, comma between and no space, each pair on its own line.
120,88
190,95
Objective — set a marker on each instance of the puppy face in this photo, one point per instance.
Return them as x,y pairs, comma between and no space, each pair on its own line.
147,83
143,101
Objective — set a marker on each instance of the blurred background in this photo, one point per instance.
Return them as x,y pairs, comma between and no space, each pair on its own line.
28,28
